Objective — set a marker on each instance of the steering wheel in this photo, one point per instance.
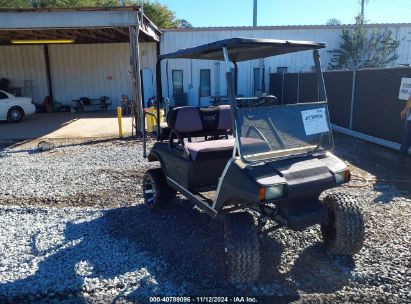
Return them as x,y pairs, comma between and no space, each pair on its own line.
263,101
270,100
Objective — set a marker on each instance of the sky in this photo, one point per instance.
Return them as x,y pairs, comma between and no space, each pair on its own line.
203,13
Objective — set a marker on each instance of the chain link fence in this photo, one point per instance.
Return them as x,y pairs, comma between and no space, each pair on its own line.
365,101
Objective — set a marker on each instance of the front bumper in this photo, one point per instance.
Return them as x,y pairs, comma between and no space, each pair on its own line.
302,219
29,109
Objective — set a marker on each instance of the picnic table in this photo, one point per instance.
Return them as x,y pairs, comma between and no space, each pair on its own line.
101,103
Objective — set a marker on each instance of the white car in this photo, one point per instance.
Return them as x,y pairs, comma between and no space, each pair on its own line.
15,108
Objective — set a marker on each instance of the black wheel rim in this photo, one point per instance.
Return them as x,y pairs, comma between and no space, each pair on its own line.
15,115
149,192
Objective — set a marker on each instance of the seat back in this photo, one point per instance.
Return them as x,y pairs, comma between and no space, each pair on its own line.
185,120
195,121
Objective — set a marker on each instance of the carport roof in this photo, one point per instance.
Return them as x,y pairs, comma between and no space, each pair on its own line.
241,49
83,25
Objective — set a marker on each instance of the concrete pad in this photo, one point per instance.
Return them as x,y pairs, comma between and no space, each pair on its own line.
65,125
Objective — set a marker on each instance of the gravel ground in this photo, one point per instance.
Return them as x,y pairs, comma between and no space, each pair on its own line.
73,229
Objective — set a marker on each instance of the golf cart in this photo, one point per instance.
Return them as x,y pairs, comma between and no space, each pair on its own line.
261,165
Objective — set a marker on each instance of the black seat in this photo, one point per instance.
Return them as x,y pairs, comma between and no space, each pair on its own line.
189,122
210,149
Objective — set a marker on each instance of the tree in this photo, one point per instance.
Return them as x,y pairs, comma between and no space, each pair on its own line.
333,21
361,49
14,4
56,3
184,23
160,14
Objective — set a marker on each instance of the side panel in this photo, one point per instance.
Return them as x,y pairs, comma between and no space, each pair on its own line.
236,185
185,172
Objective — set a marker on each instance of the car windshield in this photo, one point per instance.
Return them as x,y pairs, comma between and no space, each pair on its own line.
280,131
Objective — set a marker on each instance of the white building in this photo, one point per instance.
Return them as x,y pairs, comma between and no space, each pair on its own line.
186,74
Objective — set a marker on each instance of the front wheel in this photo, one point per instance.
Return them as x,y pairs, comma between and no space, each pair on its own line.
344,232
242,248
156,191
15,114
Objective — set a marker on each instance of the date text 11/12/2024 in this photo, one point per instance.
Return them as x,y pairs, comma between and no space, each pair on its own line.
234,299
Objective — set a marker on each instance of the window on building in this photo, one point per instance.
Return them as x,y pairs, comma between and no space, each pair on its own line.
205,83
177,76
257,81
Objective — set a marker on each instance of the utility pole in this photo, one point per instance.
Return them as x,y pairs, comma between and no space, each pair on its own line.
361,17
255,13
362,11
260,61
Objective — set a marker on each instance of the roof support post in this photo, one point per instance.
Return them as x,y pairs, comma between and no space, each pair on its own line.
159,88
230,89
235,78
48,73
320,78
136,79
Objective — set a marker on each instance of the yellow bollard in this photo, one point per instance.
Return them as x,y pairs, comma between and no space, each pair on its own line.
120,125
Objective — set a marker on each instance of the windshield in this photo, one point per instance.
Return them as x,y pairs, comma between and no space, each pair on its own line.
281,131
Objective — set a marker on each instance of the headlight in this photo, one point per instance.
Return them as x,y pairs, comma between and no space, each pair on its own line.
270,192
342,176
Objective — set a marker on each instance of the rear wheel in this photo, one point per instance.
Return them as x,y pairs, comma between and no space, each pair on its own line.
242,248
156,191
344,232
15,114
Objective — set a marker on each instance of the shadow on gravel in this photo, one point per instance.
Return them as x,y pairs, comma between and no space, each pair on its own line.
59,278
180,247
58,268
316,271
190,242
192,245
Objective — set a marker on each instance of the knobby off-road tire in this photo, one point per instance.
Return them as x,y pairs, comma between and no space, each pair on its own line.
242,248
344,232
156,191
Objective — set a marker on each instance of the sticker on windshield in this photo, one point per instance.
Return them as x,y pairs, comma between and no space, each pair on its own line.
314,121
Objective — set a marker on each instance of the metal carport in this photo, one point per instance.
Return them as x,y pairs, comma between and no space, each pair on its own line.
82,26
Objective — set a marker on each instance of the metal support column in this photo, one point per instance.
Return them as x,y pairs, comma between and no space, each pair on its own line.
230,88
320,79
354,75
136,78
48,73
